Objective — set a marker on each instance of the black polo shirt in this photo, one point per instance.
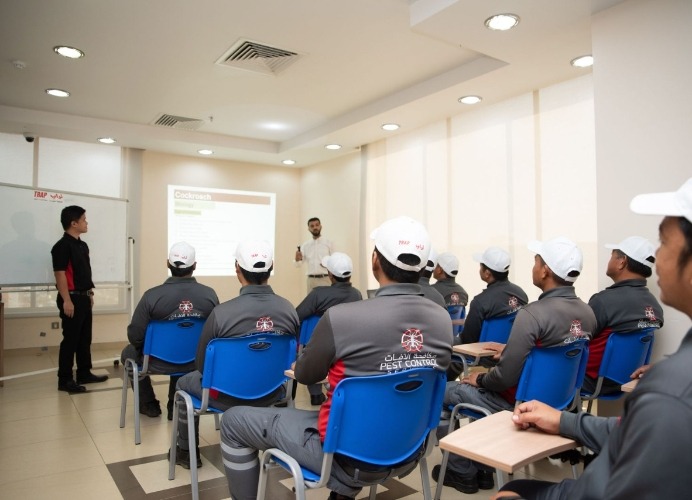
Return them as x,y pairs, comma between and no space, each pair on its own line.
72,256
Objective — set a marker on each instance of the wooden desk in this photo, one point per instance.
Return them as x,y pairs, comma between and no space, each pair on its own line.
497,442
629,386
477,350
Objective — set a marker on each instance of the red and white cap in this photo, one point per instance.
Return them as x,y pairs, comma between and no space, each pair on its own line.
181,255
255,256
561,255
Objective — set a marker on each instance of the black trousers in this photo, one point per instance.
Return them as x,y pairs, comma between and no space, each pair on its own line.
76,338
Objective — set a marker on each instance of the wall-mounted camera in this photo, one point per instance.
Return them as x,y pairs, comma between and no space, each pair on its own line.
29,137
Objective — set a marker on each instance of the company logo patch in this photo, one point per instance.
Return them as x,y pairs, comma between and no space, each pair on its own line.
185,307
265,324
412,340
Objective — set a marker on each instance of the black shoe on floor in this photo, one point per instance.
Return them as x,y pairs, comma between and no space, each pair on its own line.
468,485
333,495
485,479
317,399
182,458
150,409
91,378
169,408
71,386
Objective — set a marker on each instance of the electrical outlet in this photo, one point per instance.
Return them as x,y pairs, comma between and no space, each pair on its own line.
55,325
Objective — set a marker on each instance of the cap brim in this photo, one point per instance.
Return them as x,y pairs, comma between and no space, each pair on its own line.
612,246
656,204
478,257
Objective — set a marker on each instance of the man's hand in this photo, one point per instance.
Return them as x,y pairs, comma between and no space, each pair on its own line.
539,415
505,494
68,308
299,255
498,348
471,379
639,372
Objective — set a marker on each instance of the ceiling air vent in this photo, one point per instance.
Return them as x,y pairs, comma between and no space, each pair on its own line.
172,121
257,57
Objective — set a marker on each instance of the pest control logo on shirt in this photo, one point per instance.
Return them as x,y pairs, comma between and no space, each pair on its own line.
650,314
412,340
513,303
265,324
454,298
185,307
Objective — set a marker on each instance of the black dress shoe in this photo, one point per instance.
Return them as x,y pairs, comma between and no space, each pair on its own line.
468,485
485,479
317,399
150,408
91,378
182,457
71,386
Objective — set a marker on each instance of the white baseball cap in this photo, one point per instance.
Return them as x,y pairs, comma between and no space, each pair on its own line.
432,261
561,255
677,204
339,264
181,255
637,248
449,263
255,256
494,258
400,236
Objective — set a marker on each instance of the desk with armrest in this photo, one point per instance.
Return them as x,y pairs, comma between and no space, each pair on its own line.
495,441
476,350
629,386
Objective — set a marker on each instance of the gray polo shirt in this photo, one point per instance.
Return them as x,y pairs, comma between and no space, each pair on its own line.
256,309
322,298
453,293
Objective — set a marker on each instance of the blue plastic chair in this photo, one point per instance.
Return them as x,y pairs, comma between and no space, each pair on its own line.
172,341
623,354
306,328
456,313
383,420
493,330
552,375
248,367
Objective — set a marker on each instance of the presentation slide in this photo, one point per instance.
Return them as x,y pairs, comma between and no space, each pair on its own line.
214,221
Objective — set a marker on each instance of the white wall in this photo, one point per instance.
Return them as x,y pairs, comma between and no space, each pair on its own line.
643,127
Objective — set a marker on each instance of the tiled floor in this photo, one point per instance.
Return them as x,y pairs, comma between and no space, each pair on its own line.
54,445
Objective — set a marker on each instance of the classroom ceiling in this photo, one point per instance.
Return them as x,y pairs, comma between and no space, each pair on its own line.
356,65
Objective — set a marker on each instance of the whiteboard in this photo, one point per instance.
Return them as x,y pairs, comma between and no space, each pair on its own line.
30,226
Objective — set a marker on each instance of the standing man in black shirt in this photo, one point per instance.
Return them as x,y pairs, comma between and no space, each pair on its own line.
72,270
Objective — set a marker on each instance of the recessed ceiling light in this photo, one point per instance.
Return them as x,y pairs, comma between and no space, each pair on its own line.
205,151
333,146
58,92
470,99
582,61
502,22
70,52
390,126
106,140
289,162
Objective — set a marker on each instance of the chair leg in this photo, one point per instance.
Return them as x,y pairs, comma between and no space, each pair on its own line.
174,439
441,478
135,389
123,401
217,423
424,479
500,478
373,492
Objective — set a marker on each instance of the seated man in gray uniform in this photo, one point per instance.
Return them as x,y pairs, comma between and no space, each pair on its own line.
424,281
256,308
500,298
180,296
445,273
339,269
351,340
645,453
625,306
558,316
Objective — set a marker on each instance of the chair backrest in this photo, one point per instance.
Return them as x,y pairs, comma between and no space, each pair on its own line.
553,375
456,312
306,328
625,352
497,329
248,367
384,419
173,341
